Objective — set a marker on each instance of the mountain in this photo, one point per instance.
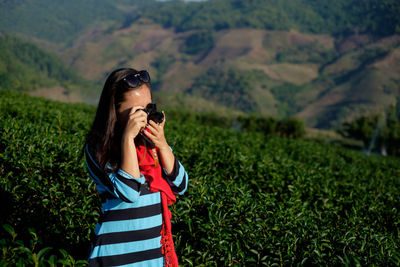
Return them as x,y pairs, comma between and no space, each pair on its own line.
323,62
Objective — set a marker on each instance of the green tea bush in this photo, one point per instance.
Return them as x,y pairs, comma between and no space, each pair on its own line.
41,173
16,253
252,199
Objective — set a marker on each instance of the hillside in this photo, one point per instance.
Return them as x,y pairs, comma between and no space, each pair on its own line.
320,78
55,21
26,67
252,200
323,62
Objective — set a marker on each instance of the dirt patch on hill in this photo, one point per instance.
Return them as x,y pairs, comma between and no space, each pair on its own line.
294,73
286,72
275,40
353,41
322,105
150,39
231,44
302,39
57,93
390,64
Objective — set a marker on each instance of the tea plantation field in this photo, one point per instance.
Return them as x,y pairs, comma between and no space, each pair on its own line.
252,200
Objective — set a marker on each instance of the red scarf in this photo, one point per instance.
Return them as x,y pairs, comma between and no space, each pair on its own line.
150,167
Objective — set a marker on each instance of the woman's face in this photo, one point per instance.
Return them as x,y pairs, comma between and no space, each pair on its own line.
138,97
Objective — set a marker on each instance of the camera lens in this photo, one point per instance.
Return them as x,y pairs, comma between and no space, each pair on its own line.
153,114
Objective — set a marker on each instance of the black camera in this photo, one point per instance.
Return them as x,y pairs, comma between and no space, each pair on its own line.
153,114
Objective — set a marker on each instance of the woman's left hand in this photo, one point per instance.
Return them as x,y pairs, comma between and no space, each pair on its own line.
157,134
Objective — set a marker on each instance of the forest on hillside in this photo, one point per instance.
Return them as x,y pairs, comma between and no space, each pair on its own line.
315,16
61,21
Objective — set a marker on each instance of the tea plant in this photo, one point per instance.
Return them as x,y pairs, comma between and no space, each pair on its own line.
16,253
251,200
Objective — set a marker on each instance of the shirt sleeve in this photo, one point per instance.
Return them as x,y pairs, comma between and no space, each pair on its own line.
120,184
177,179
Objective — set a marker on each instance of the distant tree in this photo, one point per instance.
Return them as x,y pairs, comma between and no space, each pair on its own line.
257,123
383,129
361,128
392,134
199,42
292,127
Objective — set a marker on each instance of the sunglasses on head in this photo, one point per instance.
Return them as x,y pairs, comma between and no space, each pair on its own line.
134,80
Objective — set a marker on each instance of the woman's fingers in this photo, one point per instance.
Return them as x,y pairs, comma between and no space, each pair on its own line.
138,114
137,121
142,123
150,135
153,127
135,108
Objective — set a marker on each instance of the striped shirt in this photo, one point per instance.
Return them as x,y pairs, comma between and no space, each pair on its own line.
128,232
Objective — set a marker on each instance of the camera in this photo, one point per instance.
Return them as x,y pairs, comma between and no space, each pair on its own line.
153,114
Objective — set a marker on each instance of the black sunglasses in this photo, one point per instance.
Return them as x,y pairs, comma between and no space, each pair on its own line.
134,80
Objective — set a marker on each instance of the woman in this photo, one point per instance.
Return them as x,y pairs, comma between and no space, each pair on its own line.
136,175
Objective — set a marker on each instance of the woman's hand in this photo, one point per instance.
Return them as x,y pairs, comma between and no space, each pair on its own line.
158,138
157,134
137,121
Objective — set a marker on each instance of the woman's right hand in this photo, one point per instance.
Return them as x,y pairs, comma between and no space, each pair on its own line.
137,121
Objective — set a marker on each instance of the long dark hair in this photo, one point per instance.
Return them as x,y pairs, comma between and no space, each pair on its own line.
105,134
